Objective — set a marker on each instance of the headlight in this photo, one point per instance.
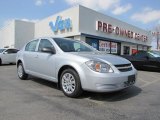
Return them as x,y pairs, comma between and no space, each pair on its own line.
99,66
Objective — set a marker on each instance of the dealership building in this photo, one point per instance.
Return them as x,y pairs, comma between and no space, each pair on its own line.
98,30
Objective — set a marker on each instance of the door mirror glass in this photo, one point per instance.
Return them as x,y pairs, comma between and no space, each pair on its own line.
48,50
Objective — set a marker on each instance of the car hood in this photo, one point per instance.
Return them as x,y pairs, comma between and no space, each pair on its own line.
113,59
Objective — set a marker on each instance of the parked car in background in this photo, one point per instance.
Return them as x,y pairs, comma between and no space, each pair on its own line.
149,60
8,55
74,66
156,53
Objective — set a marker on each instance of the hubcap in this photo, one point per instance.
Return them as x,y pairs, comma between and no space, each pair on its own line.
20,71
68,83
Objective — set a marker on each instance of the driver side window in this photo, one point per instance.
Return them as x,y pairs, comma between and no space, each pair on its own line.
44,43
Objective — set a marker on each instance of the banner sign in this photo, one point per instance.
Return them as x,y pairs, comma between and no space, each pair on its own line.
104,46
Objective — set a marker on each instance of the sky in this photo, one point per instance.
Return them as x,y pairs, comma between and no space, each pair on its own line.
144,14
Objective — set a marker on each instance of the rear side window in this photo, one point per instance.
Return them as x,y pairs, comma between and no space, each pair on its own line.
11,51
141,54
31,46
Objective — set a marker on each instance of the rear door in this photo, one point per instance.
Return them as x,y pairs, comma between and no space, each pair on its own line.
140,59
153,62
30,56
9,56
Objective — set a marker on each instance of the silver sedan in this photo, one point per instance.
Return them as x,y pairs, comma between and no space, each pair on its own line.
74,66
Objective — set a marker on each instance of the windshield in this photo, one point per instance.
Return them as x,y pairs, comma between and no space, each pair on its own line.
1,50
155,53
73,45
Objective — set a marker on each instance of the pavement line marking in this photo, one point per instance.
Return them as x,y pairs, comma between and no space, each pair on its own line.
142,80
154,77
96,101
149,83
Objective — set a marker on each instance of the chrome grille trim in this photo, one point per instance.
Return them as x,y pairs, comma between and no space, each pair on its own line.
124,67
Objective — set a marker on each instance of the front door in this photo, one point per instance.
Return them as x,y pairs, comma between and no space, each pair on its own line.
45,62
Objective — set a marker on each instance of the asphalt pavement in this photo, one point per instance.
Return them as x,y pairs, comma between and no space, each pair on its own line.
37,99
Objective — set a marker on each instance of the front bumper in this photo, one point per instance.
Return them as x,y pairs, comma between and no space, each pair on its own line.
107,82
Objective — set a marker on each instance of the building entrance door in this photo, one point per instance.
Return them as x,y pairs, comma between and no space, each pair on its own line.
126,50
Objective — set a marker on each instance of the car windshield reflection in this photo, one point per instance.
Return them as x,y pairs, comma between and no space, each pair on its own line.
73,45
1,50
154,53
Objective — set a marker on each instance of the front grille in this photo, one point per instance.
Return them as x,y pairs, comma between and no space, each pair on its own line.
124,67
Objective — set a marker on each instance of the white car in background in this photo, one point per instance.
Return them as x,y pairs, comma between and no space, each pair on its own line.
8,55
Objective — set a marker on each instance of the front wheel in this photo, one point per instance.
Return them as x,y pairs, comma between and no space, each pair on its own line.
21,73
70,83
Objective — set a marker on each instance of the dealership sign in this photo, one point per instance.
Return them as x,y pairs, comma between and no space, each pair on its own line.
110,29
61,24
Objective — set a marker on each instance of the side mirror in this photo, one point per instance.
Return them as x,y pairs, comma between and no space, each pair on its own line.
49,50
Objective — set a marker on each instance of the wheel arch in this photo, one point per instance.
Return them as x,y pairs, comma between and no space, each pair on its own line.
64,67
19,61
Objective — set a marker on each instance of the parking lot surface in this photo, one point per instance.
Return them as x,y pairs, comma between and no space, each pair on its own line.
37,99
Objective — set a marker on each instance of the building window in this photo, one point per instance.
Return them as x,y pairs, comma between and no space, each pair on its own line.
114,47
145,48
104,46
93,42
140,47
134,49
126,50
110,47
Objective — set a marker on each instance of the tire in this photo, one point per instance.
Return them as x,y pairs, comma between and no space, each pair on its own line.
21,73
70,83
0,62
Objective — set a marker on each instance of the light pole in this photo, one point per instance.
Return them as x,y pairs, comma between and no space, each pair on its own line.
158,37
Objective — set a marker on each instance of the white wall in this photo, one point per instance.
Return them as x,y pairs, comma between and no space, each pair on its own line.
24,32
42,28
16,34
7,35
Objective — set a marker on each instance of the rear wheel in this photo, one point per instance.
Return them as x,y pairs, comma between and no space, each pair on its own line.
0,62
70,83
21,73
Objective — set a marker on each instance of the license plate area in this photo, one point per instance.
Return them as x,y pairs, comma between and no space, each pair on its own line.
131,80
